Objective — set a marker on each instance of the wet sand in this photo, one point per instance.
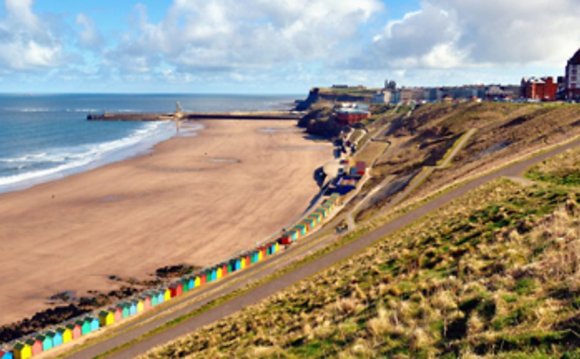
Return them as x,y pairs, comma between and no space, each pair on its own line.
195,200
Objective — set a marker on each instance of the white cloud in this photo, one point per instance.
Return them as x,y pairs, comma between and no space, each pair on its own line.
25,42
89,36
465,33
229,34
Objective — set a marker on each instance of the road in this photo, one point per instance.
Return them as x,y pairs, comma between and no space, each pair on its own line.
260,293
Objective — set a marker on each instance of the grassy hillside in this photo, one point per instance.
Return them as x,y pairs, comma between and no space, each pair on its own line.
504,131
495,273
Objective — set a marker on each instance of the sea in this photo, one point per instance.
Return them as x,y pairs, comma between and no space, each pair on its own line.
47,137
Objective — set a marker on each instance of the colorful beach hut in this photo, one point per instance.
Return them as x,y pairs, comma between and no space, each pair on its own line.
154,300
147,298
318,216
185,285
190,283
67,334
22,351
36,344
47,342
95,324
303,228
125,312
295,233
118,313
160,295
133,308
106,318
140,305
6,354
167,295
57,339
76,329
86,326
173,290
225,269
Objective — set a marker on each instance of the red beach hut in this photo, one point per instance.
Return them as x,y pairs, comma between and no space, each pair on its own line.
36,345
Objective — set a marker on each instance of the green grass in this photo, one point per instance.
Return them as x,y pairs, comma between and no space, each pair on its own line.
563,170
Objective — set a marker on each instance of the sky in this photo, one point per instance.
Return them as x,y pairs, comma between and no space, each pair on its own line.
278,46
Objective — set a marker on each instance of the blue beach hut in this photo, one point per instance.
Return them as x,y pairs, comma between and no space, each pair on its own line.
133,308
95,324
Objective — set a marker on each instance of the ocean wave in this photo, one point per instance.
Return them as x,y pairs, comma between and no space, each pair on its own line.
60,162
28,109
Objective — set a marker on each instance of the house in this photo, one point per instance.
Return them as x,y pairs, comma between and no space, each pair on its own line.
572,81
350,114
543,89
382,97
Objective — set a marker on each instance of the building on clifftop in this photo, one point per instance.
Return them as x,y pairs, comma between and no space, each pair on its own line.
543,89
572,81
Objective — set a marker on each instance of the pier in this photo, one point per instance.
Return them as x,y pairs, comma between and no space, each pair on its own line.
255,115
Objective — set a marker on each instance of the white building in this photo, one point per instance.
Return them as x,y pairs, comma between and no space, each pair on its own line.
382,97
572,85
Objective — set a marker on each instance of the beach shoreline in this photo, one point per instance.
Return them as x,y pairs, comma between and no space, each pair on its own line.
193,200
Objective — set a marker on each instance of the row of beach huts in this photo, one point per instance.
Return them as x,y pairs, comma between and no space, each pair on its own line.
72,330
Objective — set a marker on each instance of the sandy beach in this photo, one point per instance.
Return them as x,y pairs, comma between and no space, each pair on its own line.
195,200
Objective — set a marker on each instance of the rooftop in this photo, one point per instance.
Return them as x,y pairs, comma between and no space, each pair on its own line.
575,60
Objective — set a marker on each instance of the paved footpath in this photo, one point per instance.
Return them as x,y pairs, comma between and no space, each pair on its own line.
260,293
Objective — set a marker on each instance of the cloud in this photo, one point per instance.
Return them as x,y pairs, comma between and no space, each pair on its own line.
466,33
26,42
227,35
89,35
